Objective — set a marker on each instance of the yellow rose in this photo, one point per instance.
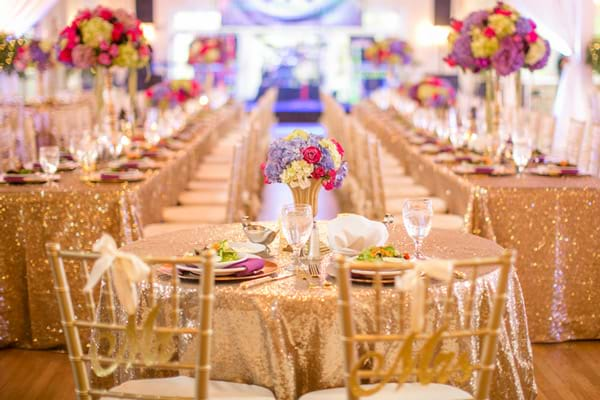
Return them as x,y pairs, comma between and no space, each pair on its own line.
502,25
536,51
297,133
481,45
96,30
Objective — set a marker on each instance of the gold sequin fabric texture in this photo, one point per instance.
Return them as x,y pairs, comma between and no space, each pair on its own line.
552,222
75,213
286,337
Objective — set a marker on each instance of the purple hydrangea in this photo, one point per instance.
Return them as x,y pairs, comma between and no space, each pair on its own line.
402,50
544,60
462,54
509,57
42,59
523,26
476,18
283,152
341,175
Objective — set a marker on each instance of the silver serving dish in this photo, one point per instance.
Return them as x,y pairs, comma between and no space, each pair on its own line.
258,233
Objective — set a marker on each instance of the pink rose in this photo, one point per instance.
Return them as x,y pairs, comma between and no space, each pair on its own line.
104,59
339,147
118,30
318,173
329,184
311,154
114,50
83,56
125,18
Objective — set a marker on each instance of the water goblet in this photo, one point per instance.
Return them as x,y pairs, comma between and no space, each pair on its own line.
296,225
49,159
521,152
417,214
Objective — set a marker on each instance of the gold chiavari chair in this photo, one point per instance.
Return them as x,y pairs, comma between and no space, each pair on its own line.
594,164
431,347
146,340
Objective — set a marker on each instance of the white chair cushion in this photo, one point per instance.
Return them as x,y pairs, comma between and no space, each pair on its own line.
394,205
195,214
183,386
208,185
392,181
409,191
203,197
448,221
219,172
158,229
408,391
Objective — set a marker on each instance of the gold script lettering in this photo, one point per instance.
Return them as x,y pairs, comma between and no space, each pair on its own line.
153,347
434,365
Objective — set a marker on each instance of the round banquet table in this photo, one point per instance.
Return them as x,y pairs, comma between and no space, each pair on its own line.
286,337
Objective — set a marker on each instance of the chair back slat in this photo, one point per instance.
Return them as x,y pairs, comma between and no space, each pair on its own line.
438,349
147,339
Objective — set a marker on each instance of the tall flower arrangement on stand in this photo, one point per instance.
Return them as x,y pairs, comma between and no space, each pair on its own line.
433,92
102,38
498,39
206,50
305,162
392,52
34,53
171,93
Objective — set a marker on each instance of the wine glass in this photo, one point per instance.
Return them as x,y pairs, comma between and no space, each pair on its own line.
416,214
296,225
521,150
86,153
49,159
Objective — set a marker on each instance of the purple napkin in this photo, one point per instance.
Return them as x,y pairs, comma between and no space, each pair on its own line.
569,171
14,179
446,149
129,165
66,156
109,176
253,266
484,170
462,158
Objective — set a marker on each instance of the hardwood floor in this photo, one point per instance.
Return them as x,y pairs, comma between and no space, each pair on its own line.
566,371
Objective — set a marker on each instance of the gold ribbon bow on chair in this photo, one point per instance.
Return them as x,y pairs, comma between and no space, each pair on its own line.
412,280
126,270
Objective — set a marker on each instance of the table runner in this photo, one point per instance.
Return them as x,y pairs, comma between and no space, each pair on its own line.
553,223
75,214
286,337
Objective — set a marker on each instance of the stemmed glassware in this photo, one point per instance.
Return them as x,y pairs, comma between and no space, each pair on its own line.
417,214
521,151
49,159
296,225
86,153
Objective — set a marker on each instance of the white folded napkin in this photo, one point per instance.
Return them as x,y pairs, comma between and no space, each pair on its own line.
349,234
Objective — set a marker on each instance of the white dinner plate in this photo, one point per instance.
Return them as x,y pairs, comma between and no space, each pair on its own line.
247,247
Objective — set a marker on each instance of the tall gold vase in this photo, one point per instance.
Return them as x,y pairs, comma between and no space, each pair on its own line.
309,195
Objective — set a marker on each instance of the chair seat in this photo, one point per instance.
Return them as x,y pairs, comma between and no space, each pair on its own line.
448,221
395,180
213,172
184,386
409,191
195,214
215,158
408,391
159,229
203,197
208,185
394,205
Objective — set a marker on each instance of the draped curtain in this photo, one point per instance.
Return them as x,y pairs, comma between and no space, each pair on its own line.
19,16
569,26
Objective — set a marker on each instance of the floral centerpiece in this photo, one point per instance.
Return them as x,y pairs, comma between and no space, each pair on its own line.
171,93
593,55
389,51
305,162
206,50
103,37
34,53
498,39
9,46
433,92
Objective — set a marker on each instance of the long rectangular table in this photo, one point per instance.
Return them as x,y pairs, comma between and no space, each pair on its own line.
75,213
553,223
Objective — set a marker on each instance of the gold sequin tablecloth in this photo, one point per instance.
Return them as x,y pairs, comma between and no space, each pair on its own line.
553,223
75,214
286,337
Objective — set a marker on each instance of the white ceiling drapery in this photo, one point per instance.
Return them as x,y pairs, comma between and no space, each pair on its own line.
569,26
18,17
